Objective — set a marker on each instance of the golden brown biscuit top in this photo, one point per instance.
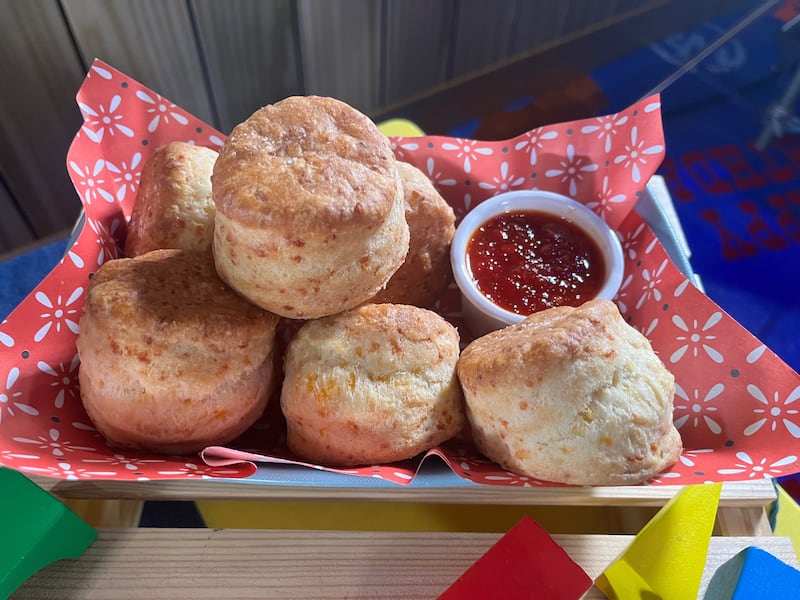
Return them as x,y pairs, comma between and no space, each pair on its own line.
307,162
411,323
387,322
380,340
546,338
179,293
173,200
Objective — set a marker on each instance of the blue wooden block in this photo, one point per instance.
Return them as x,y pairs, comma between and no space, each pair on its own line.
754,573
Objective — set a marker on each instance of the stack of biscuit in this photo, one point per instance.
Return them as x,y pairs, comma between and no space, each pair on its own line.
306,225
303,218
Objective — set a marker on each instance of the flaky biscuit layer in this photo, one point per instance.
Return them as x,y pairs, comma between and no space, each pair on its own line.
425,272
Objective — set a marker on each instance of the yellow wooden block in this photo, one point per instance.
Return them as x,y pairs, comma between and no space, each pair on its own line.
415,517
667,557
400,127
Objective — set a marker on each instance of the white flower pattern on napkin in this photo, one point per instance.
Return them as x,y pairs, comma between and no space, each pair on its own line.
467,150
694,411
162,110
10,400
533,141
102,120
636,154
697,338
774,412
572,169
606,128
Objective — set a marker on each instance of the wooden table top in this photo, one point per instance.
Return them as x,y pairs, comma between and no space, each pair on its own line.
204,563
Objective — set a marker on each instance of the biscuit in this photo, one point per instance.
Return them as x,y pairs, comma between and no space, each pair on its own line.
310,210
571,395
172,359
374,384
173,207
431,222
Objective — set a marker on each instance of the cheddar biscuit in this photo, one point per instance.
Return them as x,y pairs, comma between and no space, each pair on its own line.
173,207
371,385
172,359
310,210
425,272
571,395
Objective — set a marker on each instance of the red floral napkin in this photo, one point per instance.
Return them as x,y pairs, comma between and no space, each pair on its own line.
735,405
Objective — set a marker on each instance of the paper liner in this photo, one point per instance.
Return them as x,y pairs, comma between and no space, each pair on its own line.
735,405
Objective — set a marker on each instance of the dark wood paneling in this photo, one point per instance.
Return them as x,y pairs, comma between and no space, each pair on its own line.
441,63
14,231
417,46
482,33
153,42
38,115
341,49
537,23
550,68
250,50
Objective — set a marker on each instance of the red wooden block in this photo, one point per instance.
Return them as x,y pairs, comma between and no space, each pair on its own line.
525,563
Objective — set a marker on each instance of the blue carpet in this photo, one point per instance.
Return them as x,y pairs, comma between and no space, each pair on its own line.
23,272
739,206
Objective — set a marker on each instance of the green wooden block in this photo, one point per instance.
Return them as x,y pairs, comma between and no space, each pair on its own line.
36,529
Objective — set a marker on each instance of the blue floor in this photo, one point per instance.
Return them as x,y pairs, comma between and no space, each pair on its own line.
739,206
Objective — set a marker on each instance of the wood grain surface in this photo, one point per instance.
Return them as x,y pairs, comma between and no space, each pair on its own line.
205,563
38,119
745,494
251,51
153,42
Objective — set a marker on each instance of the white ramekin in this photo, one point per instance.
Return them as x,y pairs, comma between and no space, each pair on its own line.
480,313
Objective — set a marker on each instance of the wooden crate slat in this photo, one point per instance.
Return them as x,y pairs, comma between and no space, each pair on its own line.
734,494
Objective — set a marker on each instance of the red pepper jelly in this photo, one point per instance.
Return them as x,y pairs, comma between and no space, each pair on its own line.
527,261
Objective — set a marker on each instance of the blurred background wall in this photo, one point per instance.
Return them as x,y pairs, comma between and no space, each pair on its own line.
437,62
